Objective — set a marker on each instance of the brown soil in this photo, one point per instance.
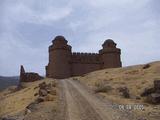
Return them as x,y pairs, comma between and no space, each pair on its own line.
78,103
135,78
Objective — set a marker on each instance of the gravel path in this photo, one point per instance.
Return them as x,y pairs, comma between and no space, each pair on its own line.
77,103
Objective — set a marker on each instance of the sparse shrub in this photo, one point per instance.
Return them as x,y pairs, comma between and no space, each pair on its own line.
76,79
40,99
97,84
138,87
143,82
49,98
124,92
53,84
36,87
43,92
53,91
36,94
157,85
103,88
132,72
147,91
12,89
122,83
153,98
42,85
146,66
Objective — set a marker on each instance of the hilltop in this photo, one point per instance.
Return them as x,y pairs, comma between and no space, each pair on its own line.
87,95
136,79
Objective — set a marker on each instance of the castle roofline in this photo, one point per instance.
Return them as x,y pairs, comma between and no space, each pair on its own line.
60,40
109,43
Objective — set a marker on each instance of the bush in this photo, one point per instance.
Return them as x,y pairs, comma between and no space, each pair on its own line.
76,79
124,92
147,92
97,84
146,66
103,88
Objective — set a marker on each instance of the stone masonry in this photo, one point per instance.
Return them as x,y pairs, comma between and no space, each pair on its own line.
28,76
64,63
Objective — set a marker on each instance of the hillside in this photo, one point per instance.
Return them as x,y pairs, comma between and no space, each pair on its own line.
51,99
136,79
8,81
29,98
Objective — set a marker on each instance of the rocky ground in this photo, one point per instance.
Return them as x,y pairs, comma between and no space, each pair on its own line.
130,93
132,86
79,103
30,101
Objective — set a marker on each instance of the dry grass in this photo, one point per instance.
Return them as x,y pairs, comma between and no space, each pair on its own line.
103,88
135,78
13,103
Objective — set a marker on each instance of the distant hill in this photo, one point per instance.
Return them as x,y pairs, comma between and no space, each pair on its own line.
8,81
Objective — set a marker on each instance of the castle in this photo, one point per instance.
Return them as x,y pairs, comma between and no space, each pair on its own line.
64,63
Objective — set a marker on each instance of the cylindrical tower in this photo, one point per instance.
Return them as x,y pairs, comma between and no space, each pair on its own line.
110,55
59,57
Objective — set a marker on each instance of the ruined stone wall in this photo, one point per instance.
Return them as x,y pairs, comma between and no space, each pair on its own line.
28,76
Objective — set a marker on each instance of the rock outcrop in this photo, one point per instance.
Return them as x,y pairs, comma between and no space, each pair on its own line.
153,94
124,92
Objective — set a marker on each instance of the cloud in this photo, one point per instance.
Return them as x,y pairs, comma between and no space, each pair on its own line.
21,12
15,52
27,28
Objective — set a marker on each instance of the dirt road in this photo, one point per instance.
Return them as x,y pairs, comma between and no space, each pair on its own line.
78,103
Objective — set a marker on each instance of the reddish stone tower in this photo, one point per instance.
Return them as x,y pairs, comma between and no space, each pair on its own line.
64,63
110,55
59,57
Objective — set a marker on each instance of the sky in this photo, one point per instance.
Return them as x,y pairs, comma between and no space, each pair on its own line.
27,28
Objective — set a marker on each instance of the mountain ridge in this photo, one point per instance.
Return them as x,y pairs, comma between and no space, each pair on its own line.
6,81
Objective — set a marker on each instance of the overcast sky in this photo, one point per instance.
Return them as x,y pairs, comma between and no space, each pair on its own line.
27,28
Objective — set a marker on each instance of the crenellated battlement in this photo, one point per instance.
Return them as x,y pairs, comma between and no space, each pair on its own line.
64,63
88,58
83,54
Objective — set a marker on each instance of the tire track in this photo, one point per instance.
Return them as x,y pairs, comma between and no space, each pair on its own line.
85,109
79,104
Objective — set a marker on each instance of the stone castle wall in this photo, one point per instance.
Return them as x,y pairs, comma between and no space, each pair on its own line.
82,63
78,57
64,63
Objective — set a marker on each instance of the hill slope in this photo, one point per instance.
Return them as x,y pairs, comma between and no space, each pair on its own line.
19,103
135,78
8,81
